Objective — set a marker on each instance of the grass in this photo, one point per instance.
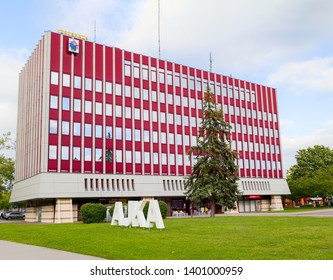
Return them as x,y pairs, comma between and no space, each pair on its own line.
234,238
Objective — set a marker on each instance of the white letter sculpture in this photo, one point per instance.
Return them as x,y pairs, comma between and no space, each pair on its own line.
136,217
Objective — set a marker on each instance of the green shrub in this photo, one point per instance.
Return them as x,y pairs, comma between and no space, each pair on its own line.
93,213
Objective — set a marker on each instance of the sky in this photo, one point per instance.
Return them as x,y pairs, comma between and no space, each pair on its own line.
283,44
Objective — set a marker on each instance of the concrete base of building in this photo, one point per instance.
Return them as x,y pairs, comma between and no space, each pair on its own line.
63,211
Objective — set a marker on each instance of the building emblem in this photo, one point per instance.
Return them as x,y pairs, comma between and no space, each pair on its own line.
73,45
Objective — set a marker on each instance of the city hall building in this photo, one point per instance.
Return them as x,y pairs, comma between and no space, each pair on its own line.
101,124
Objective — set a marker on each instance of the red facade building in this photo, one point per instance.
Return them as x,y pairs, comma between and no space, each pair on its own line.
97,123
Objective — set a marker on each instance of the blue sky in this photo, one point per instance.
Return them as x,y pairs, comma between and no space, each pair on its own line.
280,43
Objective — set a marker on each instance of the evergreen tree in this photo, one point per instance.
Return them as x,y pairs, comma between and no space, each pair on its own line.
214,175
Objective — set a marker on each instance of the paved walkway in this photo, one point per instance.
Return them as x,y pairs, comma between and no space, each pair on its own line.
17,251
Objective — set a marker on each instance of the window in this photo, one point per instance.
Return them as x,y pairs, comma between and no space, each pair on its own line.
76,153
52,152
128,134
178,119
137,135
155,158
180,159
65,128
192,83
98,86
153,74
172,159
87,154
153,95
54,102
136,93
136,70
64,153
170,118
87,84
87,130
98,154
65,103
87,107
186,140
98,106
185,119
76,129
147,157
119,133
77,105
163,137
128,157
162,117
108,87
118,89
185,101
162,97
118,111
137,157
177,79
128,112
108,109
155,137
146,135
179,139
171,138
53,126
127,68
128,91
164,159
77,82
119,156
154,116
161,76
98,132
108,132
66,80
145,94
170,98
146,115
145,72
136,113
169,78
184,81
54,78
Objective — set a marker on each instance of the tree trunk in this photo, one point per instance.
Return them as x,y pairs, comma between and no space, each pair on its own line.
212,207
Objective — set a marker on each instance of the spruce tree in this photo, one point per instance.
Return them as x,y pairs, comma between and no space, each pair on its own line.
214,175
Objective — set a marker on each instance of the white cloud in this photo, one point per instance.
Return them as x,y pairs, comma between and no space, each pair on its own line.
305,76
290,145
11,62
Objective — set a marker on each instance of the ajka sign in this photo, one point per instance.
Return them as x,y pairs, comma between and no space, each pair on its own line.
135,217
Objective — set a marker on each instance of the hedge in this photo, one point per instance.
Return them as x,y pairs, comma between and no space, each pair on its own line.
93,213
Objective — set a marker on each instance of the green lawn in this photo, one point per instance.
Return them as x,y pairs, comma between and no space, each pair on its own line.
234,238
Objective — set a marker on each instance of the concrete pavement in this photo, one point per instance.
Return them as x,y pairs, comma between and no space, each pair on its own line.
17,251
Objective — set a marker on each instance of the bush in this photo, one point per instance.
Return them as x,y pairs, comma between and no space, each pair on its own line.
93,213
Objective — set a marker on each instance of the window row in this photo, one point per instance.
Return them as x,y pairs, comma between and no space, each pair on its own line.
119,157
259,164
178,79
